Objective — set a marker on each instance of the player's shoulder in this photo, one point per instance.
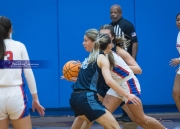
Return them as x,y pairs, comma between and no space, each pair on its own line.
10,43
15,42
101,56
117,58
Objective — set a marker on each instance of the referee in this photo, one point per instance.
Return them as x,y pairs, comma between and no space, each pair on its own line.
125,29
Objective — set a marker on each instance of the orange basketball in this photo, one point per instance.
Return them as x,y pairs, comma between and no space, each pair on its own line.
71,69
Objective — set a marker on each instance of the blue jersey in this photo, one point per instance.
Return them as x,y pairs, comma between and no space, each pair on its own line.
88,77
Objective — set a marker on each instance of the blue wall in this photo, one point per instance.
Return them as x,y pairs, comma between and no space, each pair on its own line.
157,32
53,30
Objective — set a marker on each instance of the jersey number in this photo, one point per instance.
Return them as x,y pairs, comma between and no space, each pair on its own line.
9,55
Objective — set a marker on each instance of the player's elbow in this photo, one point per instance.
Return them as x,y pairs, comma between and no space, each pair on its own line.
139,71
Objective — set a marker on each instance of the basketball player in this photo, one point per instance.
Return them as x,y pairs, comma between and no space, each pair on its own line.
175,62
113,99
13,98
84,100
124,28
102,90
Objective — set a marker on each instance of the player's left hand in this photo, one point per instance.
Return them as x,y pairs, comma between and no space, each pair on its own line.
62,77
134,99
73,79
36,105
174,62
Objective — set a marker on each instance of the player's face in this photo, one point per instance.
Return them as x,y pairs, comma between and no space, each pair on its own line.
115,14
178,21
106,31
88,44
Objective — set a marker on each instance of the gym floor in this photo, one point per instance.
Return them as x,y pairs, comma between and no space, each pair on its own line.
169,120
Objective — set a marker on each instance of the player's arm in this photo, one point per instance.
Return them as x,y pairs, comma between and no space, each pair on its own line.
28,73
103,63
129,60
31,83
134,49
132,33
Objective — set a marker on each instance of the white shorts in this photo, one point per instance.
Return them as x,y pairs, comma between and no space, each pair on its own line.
131,86
13,102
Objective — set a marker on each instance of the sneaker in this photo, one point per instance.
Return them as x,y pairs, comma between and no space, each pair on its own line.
119,118
126,119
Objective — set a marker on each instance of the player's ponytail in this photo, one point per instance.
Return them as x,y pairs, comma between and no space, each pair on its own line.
104,40
5,27
111,60
2,45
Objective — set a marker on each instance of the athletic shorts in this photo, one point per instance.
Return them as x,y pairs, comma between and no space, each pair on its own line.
131,86
102,89
13,102
87,103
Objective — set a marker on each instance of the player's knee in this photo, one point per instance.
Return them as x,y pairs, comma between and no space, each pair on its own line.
176,95
140,120
111,125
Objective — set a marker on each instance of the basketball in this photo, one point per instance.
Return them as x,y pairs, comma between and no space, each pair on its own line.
71,69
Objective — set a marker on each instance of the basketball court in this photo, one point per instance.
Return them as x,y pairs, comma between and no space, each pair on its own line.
169,120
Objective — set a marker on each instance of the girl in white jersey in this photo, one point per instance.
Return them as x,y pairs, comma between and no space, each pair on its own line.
174,62
128,81
13,98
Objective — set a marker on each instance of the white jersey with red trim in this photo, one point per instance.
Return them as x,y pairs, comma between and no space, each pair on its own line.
178,43
121,72
13,77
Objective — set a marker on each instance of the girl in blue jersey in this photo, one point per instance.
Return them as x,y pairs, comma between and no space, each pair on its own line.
84,100
131,85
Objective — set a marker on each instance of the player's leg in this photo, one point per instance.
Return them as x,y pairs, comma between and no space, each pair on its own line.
22,123
100,98
94,110
108,121
4,123
78,122
112,100
176,90
17,108
4,120
124,117
86,124
142,120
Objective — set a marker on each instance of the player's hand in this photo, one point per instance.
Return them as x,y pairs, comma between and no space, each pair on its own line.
134,99
77,62
73,79
174,62
36,105
62,77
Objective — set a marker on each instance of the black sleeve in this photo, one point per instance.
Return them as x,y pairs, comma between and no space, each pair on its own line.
131,32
